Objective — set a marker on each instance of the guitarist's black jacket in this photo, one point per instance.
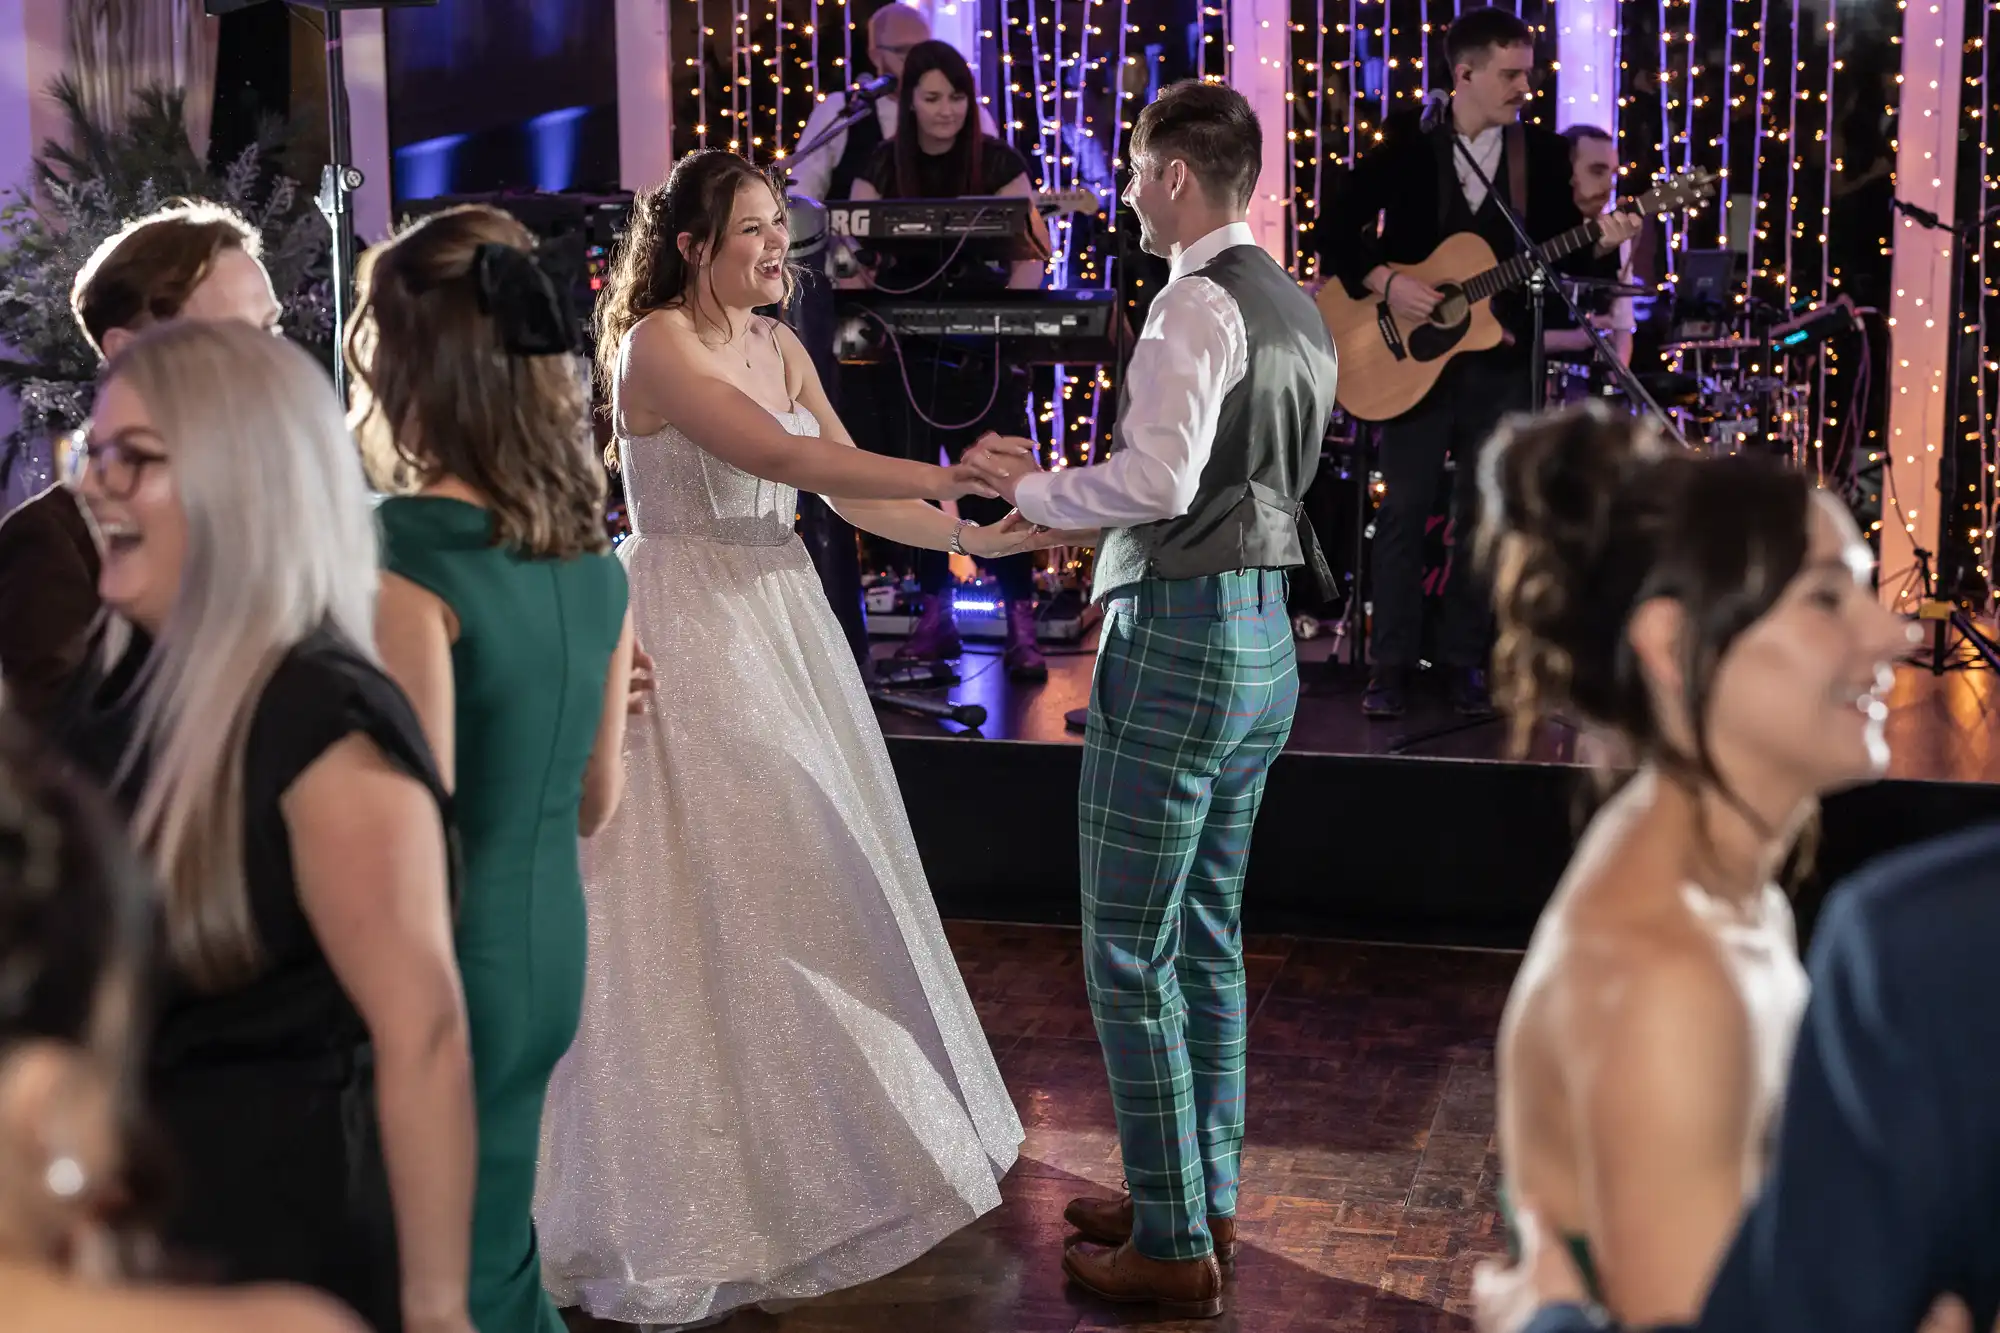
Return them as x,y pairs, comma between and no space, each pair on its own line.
1410,182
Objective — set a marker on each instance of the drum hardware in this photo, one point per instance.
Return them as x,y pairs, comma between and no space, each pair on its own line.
805,219
1608,287
1729,344
1672,388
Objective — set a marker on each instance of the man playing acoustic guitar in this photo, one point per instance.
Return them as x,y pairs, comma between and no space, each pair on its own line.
1406,197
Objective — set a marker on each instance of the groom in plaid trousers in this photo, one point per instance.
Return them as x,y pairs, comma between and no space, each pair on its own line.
1223,408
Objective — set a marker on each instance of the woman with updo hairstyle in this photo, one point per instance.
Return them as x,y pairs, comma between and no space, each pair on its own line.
307,1054
76,931
1715,621
502,615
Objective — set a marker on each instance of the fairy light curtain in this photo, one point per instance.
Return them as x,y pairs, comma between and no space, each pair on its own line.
1972,517
1794,102
1356,64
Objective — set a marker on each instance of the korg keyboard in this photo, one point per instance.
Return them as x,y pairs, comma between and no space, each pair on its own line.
998,217
1037,327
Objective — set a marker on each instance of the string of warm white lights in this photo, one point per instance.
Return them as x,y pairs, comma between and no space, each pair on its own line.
1121,114
1664,78
1068,77
1758,220
1823,412
1731,73
1978,422
700,62
739,78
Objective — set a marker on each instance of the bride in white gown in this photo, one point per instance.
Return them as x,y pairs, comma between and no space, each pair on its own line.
779,1087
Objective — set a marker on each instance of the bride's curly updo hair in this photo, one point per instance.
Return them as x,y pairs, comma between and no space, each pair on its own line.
648,271
1588,515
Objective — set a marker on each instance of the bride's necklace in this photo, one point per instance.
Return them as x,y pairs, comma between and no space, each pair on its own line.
729,344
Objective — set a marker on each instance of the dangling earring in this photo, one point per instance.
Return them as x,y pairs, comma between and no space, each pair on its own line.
65,1178
64,1175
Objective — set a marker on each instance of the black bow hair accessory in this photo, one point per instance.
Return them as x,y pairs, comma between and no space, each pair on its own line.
532,310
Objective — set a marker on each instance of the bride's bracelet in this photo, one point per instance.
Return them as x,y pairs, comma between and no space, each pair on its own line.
957,546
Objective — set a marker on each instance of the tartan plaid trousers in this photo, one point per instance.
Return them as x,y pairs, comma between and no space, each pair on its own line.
1193,697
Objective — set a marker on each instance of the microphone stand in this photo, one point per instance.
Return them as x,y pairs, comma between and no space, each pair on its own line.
829,540
858,110
1540,281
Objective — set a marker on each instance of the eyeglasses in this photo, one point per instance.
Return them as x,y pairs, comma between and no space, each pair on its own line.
118,465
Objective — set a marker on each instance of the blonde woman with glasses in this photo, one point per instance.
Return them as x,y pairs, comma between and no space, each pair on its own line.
309,1060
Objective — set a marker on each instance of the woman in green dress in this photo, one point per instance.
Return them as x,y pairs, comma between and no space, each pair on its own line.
503,617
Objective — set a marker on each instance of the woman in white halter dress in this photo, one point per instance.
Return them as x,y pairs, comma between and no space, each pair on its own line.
779,1087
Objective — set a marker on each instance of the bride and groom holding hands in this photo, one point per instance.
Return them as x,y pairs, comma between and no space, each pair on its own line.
854,1116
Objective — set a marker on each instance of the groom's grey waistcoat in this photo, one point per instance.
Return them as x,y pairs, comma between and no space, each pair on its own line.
1248,512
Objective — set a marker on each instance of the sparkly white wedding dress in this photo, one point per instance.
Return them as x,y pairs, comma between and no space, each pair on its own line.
779,1087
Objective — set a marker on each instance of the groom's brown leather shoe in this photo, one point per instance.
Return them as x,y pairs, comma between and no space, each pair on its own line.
1109,1222
1179,1288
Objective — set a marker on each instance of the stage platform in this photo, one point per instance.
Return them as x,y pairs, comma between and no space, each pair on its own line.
1450,843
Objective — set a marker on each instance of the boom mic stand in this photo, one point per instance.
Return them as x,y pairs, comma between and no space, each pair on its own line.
1540,281
828,538
338,181
859,108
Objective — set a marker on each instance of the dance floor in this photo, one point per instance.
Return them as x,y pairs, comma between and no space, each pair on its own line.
1368,1171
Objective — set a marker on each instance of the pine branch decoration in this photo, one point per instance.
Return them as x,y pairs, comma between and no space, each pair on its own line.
85,190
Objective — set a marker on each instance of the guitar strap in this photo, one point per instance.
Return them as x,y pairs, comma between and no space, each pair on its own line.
1515,144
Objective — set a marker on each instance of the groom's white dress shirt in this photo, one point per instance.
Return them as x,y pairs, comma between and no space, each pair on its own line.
1191,353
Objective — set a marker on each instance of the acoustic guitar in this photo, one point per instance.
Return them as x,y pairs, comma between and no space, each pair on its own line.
1387,365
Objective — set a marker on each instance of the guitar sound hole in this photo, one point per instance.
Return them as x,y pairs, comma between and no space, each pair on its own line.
1447,326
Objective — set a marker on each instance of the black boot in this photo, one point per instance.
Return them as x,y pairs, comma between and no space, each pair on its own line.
935,635
1469,695
1023,655
1386,690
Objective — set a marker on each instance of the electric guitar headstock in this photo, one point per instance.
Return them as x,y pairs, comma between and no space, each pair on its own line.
1076,202
1670,196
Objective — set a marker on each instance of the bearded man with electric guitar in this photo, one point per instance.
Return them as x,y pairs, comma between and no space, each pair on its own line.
1431,365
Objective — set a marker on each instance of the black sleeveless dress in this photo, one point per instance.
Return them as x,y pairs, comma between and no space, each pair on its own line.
265,1092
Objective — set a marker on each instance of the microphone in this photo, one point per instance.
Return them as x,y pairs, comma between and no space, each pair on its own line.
1435,102
969,716
869,89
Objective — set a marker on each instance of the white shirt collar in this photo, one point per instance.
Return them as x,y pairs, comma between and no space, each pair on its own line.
1225,237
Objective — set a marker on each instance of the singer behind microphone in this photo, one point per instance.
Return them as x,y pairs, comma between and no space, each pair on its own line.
1404,198
830,173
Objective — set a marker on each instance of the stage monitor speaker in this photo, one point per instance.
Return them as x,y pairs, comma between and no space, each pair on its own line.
217,8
